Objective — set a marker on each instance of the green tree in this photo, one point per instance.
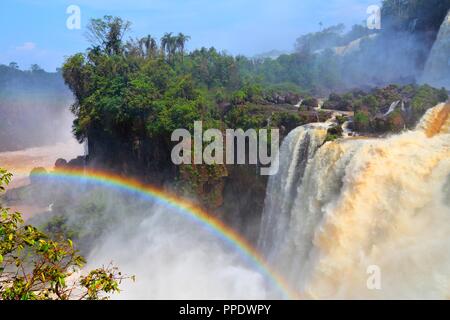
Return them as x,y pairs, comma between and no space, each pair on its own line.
149,45
181,43
108,33
169,45
362,121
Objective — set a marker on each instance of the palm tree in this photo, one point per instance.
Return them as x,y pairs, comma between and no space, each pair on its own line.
167,44
153,47
181,40
133,48
148,46
173,47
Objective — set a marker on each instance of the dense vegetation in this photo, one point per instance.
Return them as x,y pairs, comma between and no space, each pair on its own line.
372,109
131,95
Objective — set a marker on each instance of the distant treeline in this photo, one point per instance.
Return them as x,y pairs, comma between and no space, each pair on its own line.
13,80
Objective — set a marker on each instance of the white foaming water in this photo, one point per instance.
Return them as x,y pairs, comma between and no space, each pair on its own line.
300,145
364,202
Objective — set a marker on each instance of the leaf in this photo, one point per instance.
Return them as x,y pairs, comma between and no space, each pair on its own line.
1,258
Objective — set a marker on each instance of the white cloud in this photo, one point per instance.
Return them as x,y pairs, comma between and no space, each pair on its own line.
27,46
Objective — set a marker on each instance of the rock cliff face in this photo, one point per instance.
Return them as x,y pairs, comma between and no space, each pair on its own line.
244,193
437,68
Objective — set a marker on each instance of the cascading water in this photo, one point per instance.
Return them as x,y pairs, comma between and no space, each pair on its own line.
299,146
334,211
437,68
392,107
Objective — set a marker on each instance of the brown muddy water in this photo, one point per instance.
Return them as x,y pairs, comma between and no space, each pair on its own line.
20,163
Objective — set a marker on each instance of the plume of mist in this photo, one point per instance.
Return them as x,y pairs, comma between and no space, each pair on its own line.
171,256
384,59
175,259
411,47
413,39
34,108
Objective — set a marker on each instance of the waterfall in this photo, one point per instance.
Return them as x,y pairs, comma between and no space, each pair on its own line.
298,148
392,107
437,68
299,104
335,210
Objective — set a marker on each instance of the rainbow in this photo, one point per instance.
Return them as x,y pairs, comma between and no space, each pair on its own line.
185,209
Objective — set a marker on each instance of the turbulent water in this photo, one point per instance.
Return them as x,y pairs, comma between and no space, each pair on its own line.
334,212
437,69
300,145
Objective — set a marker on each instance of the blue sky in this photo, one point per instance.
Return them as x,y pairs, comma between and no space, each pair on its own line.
34,31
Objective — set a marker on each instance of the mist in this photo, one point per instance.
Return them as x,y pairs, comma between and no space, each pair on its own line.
384,59
33,122
171,256
36,128
35,106
410,47
175,259
373,58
